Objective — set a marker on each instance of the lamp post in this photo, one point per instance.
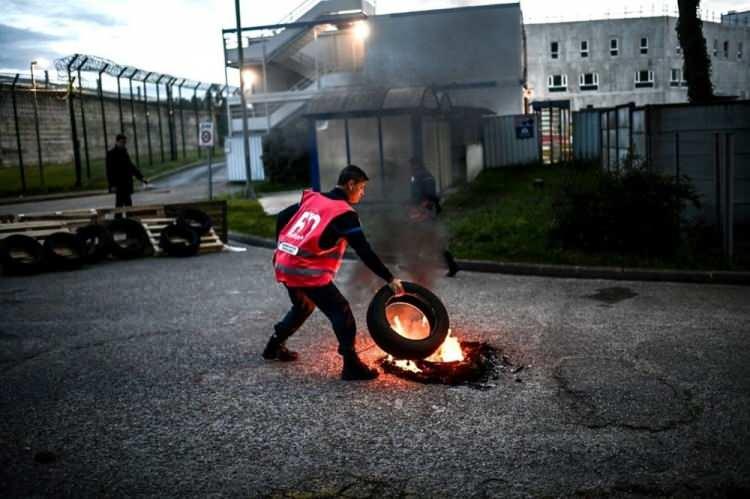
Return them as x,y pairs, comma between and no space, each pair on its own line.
36,124
249,189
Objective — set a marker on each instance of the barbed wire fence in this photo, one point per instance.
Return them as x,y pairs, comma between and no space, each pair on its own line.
72,114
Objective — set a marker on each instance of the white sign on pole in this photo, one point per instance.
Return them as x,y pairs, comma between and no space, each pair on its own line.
206,134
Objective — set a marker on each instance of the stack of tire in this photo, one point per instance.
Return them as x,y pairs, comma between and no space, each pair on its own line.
183,237
122,238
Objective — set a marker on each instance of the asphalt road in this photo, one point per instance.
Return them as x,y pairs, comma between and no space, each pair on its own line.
144,378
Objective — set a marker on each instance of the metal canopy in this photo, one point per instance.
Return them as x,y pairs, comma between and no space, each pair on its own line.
375,100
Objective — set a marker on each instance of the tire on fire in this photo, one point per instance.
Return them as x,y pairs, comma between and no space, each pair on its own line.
179,240
130,239
21,255
391,341
196,219
96,240
63,251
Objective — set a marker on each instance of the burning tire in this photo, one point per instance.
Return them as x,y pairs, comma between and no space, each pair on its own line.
179,240
130,239
96,241
196,219
21,255
393,342
63,251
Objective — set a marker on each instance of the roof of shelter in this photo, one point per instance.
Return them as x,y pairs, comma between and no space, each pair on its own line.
375,100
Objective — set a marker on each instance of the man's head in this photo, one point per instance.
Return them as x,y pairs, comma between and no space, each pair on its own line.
352,180
121,140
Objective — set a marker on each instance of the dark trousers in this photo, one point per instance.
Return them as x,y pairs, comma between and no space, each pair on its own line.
331,302
122,199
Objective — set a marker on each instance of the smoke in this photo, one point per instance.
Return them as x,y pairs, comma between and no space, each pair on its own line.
411,248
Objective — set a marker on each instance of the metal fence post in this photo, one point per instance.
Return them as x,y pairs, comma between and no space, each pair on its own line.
101,103
182,118
145,112
119,99
18,133
171,123
36,129
83,120
74,132
158,114
195,109
132,118
209,105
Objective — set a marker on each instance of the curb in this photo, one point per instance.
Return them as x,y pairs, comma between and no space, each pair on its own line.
568,271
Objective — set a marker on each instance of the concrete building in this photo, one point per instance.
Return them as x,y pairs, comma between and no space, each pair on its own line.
472,57
604,63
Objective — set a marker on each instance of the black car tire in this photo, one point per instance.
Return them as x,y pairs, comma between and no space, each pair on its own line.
21,255
96,240
129,238
196,219
179,240
392,342
63,251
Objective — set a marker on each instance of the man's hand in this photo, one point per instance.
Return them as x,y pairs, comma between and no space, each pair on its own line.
396,286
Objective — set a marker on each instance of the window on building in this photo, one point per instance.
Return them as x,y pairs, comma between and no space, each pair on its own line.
557,83
716,47
554,50
584,48
739,50
588,81
678,49
644,45
726,49
614,47
644,79
676,78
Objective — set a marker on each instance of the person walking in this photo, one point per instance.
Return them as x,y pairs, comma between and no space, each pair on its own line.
312,237
120,172
424,209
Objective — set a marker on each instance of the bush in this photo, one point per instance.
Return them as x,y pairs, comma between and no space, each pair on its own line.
633,211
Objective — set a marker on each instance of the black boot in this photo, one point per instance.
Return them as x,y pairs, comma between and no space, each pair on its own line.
354,369
277,350
452,265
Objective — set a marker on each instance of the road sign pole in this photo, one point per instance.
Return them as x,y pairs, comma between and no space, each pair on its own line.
210,175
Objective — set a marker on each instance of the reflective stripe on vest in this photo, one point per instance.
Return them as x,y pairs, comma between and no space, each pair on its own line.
301,271
332,254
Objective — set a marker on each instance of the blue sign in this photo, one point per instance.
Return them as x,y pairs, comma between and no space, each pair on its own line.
524,127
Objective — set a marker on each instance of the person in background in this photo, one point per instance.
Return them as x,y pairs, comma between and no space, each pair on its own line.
120,172
424,209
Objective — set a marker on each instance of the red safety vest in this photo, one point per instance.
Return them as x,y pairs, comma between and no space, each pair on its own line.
299,260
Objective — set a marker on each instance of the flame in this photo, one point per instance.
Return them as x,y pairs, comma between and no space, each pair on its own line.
449,351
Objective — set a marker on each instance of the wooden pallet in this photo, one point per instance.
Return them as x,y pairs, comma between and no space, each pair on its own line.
38,230
210,242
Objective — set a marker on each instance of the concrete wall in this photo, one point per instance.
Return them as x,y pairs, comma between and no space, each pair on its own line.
464,45
616,73
55,130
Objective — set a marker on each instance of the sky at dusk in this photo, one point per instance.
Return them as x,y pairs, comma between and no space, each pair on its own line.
183,37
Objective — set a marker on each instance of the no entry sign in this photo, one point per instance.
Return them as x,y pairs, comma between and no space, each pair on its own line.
206,134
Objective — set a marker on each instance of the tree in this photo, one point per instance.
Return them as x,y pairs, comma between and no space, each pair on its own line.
697,64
